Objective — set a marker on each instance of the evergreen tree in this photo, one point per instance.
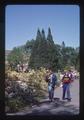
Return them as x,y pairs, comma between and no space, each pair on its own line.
63,44
49,36
42,53
43,34
45,53
35,57
39,36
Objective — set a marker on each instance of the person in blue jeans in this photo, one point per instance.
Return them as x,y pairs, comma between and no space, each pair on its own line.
52,80
66,81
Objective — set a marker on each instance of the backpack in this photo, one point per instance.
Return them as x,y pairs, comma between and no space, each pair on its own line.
54,79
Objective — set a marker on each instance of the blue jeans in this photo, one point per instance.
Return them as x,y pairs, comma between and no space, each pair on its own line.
66,88
51,92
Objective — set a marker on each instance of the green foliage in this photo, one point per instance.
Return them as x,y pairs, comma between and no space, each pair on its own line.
49,36
43,52
39,51
67,67
28,46
20,55
15,57
14,105
43,34
69,57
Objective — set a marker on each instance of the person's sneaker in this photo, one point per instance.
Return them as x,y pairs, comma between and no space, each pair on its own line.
52,100
69,100
63,98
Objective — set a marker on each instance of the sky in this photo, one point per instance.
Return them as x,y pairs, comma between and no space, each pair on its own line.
23,21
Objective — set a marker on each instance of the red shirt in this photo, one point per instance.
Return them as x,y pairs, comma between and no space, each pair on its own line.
66,79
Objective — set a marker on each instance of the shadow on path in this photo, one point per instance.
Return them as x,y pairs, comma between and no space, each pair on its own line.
58,107
47,101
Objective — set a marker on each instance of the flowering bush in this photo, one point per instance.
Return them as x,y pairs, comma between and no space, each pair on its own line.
24,88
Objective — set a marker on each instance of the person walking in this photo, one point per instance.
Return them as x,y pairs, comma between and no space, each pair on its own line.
66,81
51,78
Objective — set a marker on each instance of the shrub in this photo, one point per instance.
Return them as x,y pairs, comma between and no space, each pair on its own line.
24,88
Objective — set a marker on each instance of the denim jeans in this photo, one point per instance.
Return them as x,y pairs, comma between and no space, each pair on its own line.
51,92
66,89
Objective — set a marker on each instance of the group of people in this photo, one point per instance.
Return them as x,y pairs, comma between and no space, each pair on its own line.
66,81
22,68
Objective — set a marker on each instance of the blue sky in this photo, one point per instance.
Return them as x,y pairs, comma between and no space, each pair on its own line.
22,22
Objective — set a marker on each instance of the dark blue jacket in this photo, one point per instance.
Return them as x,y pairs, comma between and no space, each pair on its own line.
53,80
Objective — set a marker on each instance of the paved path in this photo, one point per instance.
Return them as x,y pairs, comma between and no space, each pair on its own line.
58,107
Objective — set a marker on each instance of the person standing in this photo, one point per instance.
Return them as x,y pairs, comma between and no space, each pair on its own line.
66,81
51,78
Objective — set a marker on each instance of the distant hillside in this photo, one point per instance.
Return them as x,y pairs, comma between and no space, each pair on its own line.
7,52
